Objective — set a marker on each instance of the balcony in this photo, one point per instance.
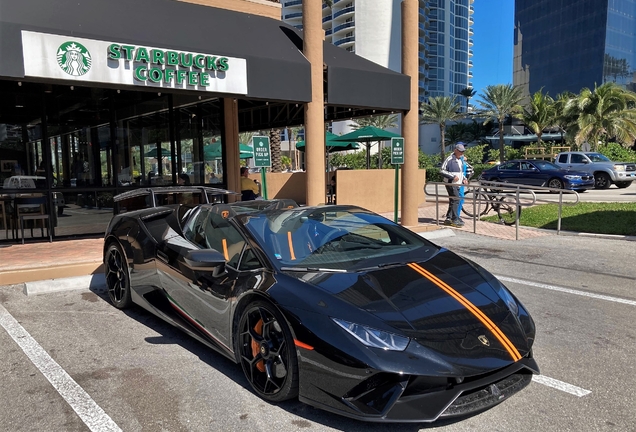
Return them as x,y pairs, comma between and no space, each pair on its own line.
470,31
328,32
293,15
292,3
471,10
470,42
470,63
326,19
470,53
347,10
344,26
343,41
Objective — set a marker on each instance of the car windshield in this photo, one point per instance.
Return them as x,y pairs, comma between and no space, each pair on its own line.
597,157
334,238
546,166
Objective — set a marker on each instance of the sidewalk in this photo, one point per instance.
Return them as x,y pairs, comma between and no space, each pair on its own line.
69,258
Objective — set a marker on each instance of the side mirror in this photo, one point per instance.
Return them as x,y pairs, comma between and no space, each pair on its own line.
585,161
205,260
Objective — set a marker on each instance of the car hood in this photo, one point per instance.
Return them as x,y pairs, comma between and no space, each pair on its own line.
446,304
575,172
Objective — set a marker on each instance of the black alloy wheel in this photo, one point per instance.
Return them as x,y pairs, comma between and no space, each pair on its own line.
117,277
602,181
266,351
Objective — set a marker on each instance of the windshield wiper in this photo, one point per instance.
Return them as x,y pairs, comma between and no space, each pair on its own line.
312,269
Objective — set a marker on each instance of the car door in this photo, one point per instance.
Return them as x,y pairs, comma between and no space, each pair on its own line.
577,162
531,174
509,172
201,296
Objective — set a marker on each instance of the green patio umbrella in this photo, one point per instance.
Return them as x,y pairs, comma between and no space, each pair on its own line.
367,135
331,145
215,151
153,152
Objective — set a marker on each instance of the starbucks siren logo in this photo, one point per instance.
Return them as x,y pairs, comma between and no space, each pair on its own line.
74,58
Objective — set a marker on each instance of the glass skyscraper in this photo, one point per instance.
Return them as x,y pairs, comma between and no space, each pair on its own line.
567,45
372,29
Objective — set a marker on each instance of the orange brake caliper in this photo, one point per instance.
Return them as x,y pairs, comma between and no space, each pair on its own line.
258,328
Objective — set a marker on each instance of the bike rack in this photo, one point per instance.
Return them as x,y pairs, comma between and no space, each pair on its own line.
501,192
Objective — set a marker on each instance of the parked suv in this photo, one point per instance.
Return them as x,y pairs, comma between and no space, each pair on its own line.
604,170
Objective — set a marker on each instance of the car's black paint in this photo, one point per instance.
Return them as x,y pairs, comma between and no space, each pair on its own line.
182,283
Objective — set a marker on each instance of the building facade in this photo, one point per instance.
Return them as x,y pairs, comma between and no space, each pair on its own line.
372,30
569,45
94,103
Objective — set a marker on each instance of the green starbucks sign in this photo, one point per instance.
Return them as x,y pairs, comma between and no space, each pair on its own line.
74,59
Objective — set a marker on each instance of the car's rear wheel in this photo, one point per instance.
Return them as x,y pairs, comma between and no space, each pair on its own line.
117,277
266,352
602,181
622,185
555,183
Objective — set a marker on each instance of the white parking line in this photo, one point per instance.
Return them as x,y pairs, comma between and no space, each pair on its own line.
567,290
560,385
91,414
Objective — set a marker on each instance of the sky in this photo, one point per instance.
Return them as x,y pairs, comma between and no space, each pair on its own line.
493,43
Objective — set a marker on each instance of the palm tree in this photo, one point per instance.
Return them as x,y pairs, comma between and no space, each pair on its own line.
274,142
539,114
440,110
498,102
606,112
379,121
468,93
563,120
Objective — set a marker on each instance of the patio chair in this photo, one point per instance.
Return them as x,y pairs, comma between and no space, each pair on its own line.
21,214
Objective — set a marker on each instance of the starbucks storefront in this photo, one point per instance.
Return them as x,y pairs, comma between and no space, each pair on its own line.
95,99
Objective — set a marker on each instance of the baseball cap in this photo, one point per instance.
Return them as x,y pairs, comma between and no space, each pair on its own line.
460,147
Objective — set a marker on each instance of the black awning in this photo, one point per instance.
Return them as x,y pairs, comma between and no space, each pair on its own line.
276,69
354,81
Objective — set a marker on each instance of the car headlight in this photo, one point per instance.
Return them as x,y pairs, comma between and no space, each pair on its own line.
619,167
572,177
374,338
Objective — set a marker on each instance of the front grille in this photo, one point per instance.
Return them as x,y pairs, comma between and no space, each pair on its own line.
488,396
630,167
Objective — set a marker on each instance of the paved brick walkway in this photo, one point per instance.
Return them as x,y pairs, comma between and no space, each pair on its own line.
41,255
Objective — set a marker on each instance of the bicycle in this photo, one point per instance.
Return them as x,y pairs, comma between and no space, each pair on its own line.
505,206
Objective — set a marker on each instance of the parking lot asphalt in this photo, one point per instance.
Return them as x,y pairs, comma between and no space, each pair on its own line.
73,362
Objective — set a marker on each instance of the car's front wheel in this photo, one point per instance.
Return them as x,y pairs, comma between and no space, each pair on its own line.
266,352
623,185
117,277
555,183
602,181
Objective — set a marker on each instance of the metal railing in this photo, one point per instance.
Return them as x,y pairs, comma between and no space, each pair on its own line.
518,195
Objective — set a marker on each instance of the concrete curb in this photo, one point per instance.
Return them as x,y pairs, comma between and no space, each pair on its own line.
89,282
438,233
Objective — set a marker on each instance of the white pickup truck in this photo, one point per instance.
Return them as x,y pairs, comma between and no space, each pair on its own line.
605,171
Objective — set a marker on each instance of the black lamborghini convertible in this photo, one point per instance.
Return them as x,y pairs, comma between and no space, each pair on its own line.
334,305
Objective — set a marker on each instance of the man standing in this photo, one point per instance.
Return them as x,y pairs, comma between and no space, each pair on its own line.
453,172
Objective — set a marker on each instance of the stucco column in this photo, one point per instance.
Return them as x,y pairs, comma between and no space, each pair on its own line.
410,121
314,110
231,147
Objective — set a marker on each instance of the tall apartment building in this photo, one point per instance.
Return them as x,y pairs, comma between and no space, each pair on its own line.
567,45
372,29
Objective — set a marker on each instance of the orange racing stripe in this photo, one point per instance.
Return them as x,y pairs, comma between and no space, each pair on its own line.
487,322
291,246
225,253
